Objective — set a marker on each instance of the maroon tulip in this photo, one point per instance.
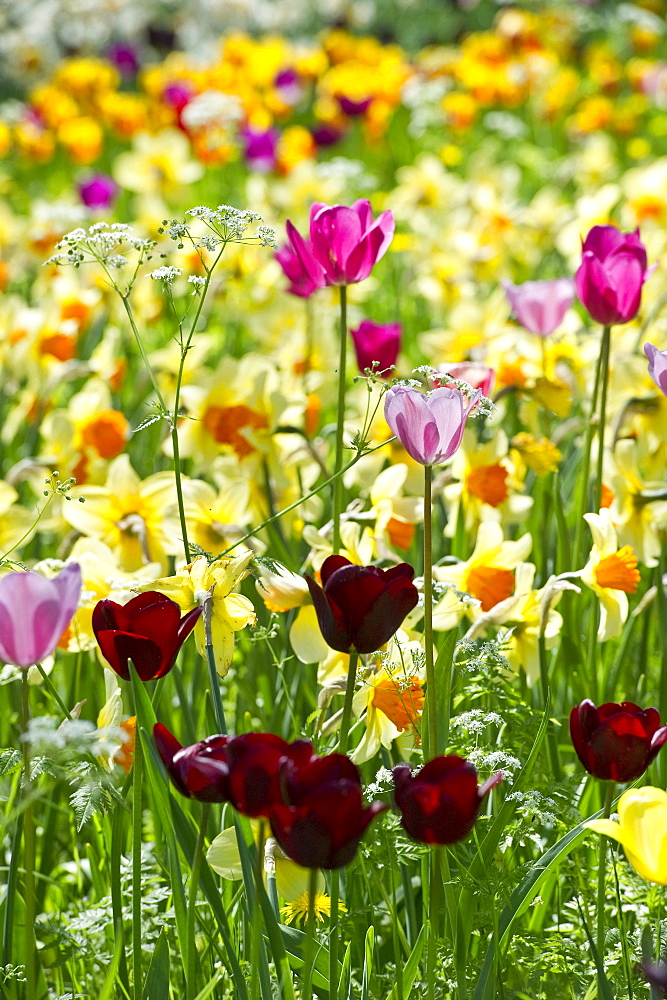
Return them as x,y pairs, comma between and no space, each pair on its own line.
376,342
439,805
325,819
611,274
361,606
148,630
200,771
616,742
255,763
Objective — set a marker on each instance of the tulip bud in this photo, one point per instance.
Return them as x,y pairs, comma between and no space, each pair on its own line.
429,426
612,271
616,742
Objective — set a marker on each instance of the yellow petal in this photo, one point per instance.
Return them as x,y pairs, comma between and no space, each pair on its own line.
306,638
292,880
223,855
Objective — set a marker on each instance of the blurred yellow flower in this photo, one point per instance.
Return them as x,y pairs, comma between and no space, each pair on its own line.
611,572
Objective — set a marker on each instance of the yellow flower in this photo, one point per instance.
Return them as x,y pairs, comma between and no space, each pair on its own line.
642,830
230,612
489,573
539,454
158,163
281,591
298,908
611,572
214,520
127,514
392,697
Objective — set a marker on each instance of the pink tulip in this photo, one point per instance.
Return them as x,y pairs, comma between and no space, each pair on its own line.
344,244
476,374
34,613
612,271
429,426
376,342
301,283
657,366
540,305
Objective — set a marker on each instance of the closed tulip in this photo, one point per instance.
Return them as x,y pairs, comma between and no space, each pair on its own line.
148,630
540,306
641,829
611,274
324,818
34,613
439,804
429,425
199,771
376,342
345,243
361,606
616,742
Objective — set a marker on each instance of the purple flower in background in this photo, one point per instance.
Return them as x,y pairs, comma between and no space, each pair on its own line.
124,57
657,366
354,108
611,274
288,84
540,305
376,342
98,191
34,613
261,149
326,135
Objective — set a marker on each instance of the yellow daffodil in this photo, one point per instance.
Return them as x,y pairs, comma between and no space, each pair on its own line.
395,515
127,514
489,573
611,572
487,485
214,519
193,585
391,697
642,830
637,518
15,520
117,737
157,163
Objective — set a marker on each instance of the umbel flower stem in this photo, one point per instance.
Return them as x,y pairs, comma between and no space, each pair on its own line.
340,421
585,470
604,385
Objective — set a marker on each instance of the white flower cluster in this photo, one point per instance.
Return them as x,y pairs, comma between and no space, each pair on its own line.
476,720
101,242
166,274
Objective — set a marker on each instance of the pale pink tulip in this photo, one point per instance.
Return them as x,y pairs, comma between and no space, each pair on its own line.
540,305
429,426
34,613
657,366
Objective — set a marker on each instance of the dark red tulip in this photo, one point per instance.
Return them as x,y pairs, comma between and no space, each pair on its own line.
200,771
616,742
325,819
255,761
361,606
439,805
148,630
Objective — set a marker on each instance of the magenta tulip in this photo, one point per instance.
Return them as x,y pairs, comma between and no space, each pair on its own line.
376,342
476,374
300,282
612,271
34,613
344,243
657,366
261,149
98,191
429,425
540,305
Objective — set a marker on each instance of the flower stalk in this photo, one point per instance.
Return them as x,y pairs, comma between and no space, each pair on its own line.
340,422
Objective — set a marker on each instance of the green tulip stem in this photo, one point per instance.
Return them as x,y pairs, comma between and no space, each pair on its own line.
191,977
433,921
340,422
257,911
309,942
218,708
604,386
137,816
28,847
602,864
431,747
585,470
347,704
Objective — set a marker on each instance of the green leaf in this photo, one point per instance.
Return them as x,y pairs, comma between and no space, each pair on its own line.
411,967
369,946
156,986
